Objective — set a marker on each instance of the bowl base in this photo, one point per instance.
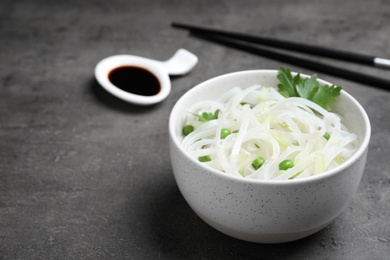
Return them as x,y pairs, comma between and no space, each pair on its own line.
263,237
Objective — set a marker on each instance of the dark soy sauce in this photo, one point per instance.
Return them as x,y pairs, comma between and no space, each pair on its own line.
135,80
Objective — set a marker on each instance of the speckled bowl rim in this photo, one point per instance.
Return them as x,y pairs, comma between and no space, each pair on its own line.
326,174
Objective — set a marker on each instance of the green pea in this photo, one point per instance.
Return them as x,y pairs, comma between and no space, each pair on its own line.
286,164
258,162
326,136
205,158
224,133
188,129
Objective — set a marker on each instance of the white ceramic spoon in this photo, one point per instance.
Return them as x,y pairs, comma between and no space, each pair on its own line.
179,64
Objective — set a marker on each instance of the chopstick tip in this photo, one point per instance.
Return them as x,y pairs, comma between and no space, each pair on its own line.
176,25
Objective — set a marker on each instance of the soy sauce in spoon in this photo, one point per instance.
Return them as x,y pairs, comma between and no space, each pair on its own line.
135,80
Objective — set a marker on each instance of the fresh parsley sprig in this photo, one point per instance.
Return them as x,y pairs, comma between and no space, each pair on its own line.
308,88
204,117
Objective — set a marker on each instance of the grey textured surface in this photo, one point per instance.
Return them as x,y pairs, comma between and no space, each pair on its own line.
84,175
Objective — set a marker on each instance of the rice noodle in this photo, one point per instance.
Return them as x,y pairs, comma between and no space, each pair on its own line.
264,123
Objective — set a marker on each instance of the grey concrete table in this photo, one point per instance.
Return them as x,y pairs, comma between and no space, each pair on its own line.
84,175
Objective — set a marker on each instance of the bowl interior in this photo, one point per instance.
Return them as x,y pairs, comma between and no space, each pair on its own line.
353,113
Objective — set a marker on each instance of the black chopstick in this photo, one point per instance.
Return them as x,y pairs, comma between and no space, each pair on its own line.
310,64
293,46
313,65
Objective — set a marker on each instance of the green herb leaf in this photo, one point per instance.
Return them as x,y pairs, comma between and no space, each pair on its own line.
326,95
287,83
308,88
207,116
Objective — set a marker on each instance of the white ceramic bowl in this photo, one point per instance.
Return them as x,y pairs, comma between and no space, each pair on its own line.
265,211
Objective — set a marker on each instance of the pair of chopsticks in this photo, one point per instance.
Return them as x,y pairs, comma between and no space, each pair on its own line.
250,43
